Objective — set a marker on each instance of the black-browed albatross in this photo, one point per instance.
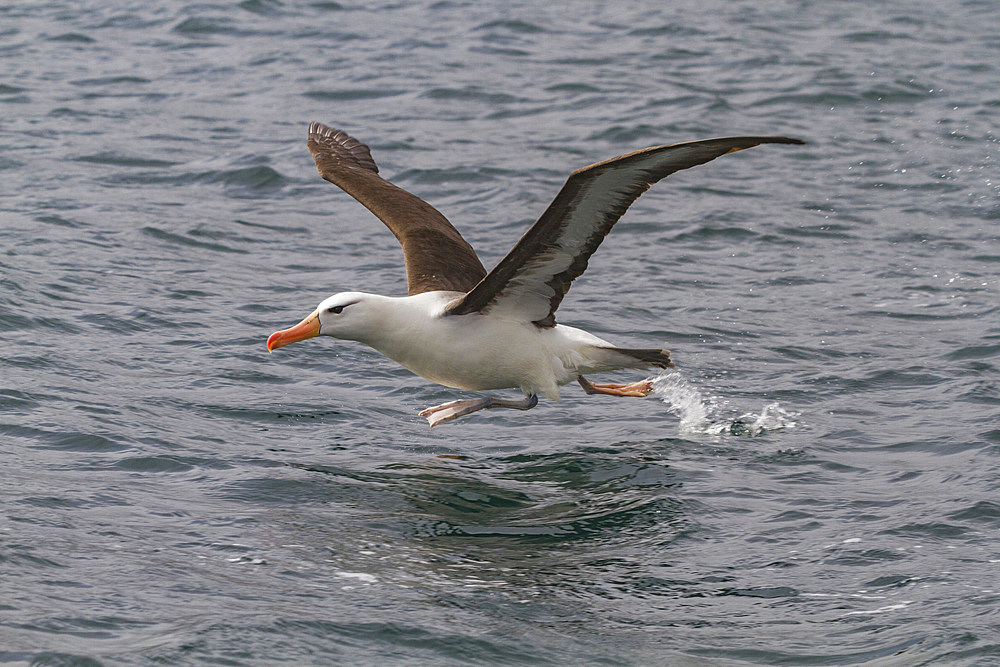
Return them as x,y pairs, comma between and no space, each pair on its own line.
462,327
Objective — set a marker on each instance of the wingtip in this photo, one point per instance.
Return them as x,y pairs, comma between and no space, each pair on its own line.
317,127
781,140
778,140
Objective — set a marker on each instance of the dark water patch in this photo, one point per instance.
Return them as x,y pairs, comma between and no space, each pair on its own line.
704,232
24,555
183,294
932,530
105,627
52,503
838,656
612,519
111,81
974,352
766,593
827,99
470,95
181,240
201,25
984,511
866,557
259,179
16,99
901,91
793,280
136,320
96,410
987,653
825,230
6,163
49,659
571,88
876,36
59,221
983,392
891,581
71,441
276,491
668,29
69,112
220,234
262,7
911,377
447,497
991,436
348,94
155,464
255,181
408,642
19,401
14,321
591,468
627,135
271,416
273,227
518,27
73,37
812,353
120,160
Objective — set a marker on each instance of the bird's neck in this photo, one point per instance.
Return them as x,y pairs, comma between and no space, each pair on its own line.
398,324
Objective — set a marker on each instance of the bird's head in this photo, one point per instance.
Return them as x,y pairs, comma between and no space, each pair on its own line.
347,315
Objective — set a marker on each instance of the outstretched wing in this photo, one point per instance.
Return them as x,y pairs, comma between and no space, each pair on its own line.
436,255
530,282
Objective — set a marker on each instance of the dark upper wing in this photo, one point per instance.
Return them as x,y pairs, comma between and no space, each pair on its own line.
529,283
437,257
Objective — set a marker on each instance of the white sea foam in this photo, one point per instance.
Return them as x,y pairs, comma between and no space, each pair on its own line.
699,414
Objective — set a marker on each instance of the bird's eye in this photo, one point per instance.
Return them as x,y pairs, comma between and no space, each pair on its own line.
335,309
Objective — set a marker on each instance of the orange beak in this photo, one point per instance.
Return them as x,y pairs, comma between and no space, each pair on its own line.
307,328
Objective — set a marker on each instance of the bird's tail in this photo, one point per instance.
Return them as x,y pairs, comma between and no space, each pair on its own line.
637,358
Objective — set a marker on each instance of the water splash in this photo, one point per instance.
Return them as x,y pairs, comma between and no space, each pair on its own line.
698,414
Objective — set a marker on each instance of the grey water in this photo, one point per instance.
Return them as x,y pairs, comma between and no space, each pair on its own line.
817,483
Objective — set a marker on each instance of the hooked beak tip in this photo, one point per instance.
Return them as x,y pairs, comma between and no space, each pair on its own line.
307,328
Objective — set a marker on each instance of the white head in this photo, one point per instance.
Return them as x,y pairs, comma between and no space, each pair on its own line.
348,315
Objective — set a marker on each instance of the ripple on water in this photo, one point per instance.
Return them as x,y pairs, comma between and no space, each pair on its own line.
68,440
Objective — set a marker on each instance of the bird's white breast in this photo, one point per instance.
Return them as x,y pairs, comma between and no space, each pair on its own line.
476,351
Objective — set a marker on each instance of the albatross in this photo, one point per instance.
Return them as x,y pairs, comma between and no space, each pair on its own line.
462,327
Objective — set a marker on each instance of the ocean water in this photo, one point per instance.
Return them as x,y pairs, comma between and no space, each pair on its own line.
818,482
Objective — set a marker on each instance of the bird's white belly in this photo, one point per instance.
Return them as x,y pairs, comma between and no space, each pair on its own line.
477,352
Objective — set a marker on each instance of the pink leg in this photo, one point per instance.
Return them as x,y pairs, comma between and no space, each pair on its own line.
637,389
445,412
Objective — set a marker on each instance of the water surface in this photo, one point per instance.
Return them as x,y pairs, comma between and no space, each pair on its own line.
817,483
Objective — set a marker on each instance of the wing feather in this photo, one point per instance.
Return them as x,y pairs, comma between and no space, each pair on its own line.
530,282
436,255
